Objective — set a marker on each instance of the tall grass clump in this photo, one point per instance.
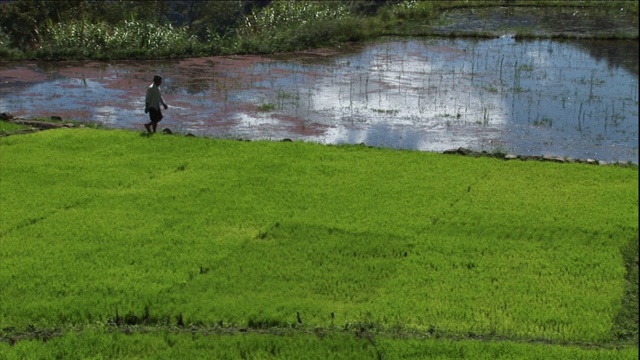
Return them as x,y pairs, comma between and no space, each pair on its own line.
409,10
287,25
129,39
402,18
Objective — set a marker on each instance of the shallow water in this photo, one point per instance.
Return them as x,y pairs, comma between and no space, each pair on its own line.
529,97
574,22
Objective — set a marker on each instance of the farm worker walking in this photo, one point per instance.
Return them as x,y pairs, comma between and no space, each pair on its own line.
152,103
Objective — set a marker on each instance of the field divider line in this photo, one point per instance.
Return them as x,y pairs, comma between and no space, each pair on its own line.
12,335
37,220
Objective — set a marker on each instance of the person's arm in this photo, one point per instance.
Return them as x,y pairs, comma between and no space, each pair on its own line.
162,101
146,100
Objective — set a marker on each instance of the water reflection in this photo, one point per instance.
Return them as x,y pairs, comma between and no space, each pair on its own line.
577,98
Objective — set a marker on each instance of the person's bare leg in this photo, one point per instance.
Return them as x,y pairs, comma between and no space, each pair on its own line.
148,127
154,125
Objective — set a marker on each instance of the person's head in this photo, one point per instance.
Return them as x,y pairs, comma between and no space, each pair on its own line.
157,80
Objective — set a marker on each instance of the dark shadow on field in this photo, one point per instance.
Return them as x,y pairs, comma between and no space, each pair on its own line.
625,327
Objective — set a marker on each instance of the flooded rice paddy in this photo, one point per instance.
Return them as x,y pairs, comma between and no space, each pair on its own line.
574,22
575,98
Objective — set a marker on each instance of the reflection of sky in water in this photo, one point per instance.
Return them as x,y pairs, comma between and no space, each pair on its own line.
68,93
537,97
529,97
409,84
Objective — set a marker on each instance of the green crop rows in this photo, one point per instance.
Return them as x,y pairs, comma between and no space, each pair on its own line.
123,245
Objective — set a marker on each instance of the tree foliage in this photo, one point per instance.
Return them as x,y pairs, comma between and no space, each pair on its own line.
24,21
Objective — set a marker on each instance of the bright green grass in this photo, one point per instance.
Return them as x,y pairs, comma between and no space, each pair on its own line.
247,234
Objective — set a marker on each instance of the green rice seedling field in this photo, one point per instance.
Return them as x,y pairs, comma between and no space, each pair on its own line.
118,245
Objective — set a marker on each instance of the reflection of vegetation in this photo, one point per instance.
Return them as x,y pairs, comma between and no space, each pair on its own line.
282,95
284,98
591,81
196,87
617,54
544,122
519,89
267,107
525,67
387,111
491,89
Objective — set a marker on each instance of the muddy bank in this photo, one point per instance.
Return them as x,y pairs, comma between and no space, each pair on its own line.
38,125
